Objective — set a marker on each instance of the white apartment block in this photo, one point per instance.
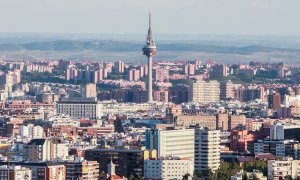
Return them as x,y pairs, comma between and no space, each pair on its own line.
207,149
178,143
279,169
168,168
204,92
31,131
80,108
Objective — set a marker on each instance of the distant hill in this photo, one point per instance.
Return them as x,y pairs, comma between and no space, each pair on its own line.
110,45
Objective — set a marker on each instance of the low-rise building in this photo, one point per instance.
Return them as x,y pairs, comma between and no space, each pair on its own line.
168,168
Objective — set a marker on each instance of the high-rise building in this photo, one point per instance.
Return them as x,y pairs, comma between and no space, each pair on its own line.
226,90
89,90
189,69
253,92
207,149
134,75
162,74
274,101
177,142
204,92
161,95
220,70
120,66
150,51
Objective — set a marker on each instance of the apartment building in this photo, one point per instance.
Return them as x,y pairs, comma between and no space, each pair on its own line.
207,149
204,91
168,168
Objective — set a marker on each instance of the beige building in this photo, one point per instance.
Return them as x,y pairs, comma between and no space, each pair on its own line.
236,120
82,170
15,173
204,92
201,120
89,90
178,142
45,150
168,168
37,150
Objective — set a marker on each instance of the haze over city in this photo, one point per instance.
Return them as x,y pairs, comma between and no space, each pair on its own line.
229,17
149,90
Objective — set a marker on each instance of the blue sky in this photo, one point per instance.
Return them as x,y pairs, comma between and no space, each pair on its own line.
233,17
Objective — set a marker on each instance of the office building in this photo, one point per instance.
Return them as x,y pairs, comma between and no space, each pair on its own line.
80,108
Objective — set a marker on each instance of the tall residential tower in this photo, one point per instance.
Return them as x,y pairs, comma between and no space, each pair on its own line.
149,50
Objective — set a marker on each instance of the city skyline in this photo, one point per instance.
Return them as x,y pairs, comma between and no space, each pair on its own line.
233,17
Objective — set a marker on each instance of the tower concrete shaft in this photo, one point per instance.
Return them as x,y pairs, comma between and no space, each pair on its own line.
149,83
150,51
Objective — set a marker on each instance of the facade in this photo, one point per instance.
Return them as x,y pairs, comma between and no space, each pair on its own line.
204,92
15,173
82,170
42,170
38,150
192,120
220,70
80,108
280,148
167,168
120,66
253,92
279,169
189,69
282,131
226,90
162,74
45,150
31,131
134,75
179,143
128,162
89,90
161,95
207,149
